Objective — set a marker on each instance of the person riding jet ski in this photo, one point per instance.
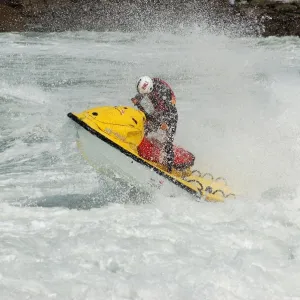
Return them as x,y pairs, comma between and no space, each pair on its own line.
162,113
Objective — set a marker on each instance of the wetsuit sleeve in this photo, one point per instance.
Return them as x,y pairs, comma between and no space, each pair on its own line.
155,119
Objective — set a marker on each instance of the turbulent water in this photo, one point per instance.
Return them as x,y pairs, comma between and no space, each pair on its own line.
66,232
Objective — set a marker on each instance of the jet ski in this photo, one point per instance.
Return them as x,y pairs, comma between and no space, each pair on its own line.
113,140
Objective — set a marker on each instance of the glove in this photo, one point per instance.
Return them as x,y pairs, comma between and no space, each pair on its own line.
135,101
164,126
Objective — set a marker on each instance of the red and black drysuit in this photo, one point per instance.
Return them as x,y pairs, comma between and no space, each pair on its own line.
163,100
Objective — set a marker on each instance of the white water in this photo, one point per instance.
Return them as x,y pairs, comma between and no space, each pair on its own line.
238,102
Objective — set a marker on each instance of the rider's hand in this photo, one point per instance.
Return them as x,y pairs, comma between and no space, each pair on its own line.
134,101
164,126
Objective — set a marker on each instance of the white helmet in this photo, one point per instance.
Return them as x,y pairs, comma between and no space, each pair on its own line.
144,85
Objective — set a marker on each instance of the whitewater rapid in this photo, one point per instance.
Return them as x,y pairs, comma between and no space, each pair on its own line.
66,232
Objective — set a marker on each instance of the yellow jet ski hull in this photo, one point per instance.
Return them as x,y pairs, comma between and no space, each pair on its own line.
121,130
